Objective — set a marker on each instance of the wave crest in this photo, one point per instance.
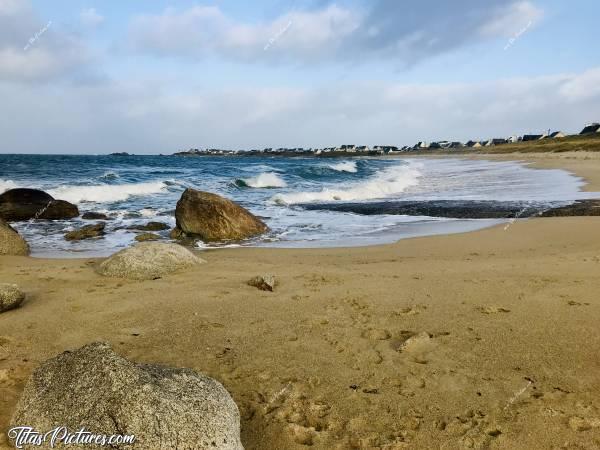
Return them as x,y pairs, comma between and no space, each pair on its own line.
264,180
347,166
6,185
106,193
388,182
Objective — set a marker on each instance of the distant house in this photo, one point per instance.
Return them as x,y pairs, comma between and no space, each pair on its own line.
420,145
478,144
471,143
515,139
363,148
493,142
591,128
557,135
531,137
456,145
435,145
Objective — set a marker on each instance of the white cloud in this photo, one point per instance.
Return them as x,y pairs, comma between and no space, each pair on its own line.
205,30
91,18
32,49
140,117
405,32
514,20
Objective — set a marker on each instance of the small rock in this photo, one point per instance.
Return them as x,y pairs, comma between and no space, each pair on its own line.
264,283
150,226
10,297
90,215
86,232
147,237
415,341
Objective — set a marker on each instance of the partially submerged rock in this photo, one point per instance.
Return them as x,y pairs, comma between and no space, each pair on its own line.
11,297
214,218
144,237
150,226
11,243
91,215
164,408
25,204
148,261
86,232
264,282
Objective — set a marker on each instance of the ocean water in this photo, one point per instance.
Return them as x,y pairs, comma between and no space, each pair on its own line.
138,189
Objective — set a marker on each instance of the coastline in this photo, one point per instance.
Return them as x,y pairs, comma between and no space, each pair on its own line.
509,358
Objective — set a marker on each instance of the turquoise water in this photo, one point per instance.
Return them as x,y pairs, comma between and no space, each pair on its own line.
140,188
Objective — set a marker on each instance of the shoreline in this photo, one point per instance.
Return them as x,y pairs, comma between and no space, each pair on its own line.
483,339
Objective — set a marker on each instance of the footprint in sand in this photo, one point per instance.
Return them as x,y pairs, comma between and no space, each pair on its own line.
492,310
377,335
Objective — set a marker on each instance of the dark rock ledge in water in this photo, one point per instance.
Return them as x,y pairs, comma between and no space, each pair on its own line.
464,209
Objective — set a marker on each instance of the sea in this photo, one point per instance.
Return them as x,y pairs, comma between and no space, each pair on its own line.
138,189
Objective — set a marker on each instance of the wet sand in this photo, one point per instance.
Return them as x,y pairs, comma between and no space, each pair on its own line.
479,340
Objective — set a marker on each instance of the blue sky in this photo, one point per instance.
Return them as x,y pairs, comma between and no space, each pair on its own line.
161,76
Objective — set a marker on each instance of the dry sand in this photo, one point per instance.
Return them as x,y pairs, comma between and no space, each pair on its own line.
481,340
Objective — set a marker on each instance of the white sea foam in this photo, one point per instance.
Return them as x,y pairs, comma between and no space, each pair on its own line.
348,166
106,193
388,182
265,180
5,185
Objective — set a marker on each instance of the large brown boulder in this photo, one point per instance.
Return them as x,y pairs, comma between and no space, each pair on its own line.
26,204
214,218
96,389
10,241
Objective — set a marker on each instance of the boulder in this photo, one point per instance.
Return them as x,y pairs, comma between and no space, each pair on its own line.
150,226
10,241
96,389
144,237
11,297
86,232
91,215
214,218
25,204
148,261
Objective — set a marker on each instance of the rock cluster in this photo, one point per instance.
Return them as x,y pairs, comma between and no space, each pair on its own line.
25,204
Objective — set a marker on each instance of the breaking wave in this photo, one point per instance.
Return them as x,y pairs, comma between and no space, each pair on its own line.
106,193
264,180
5,185
388,182
348,166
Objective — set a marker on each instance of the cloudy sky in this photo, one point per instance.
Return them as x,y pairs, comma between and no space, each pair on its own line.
83,76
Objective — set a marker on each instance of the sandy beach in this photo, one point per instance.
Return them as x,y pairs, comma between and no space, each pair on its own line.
480,340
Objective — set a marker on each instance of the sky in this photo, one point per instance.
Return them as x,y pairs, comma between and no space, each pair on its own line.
93,77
